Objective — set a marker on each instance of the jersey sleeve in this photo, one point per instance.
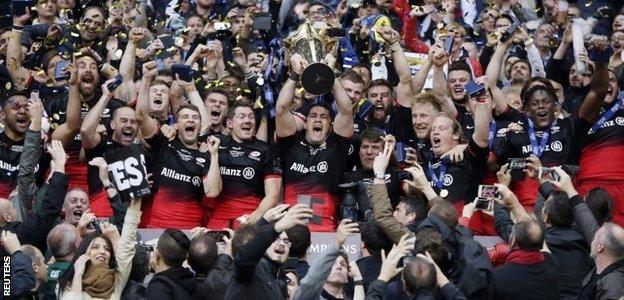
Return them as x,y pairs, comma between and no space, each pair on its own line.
270,165
157,142
476,157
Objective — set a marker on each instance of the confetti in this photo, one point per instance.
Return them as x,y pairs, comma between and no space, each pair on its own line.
119,53
260,81
74,34
588,4
7,86
56,117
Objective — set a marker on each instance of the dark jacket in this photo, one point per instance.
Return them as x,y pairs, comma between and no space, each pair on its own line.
34,230
609,284
448,292
134,291
527,281
471,271
255,274
215,285
175,283
22,275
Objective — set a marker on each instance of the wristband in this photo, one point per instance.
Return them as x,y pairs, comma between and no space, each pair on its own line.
109,186
380,176
294,76
358,282
17,27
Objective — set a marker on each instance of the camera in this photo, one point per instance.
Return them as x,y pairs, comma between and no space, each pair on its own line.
355,198
548,174
485,204
403,175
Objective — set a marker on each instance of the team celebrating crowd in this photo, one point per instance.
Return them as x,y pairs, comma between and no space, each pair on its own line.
476,147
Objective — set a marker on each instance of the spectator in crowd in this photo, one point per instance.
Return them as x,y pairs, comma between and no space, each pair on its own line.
425,104
256,259
299,236
62,241
172,280
23,279
103,261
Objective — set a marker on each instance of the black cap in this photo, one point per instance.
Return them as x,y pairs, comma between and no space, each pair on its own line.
6,94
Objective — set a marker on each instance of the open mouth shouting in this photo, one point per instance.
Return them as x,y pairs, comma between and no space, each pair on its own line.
247,129
78,213
436,142
215,116
127,135
22,121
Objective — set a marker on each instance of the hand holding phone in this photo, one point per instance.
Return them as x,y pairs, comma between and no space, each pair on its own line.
60,71
183,71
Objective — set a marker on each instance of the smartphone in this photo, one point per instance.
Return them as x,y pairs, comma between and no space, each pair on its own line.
449,41
516,168
510,31
59,71
403,175
308,200
262,21
183,71
488,192
19,6
475,89
400,152
115,83
484,204
167,40
548,174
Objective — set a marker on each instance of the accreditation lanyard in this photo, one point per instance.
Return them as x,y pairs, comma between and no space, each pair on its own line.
607,114
537,151
438,180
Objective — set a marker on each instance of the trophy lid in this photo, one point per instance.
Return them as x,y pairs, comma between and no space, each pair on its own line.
318,79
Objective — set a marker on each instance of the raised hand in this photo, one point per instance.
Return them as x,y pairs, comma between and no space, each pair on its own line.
150,70
344,230
10,241
296,215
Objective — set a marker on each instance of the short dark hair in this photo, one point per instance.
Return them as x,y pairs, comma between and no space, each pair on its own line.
505,16
140,263
528,235
460,66
242,236
203,253
372,134
419,275
374,238
416,205
548,89
173,246
430,240
192,107
381,82
559,210
299,236
232,110
446,212
600,203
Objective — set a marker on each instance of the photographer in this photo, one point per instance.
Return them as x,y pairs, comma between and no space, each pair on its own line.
358,182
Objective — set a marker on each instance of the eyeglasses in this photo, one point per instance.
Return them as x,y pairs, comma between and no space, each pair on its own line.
286,241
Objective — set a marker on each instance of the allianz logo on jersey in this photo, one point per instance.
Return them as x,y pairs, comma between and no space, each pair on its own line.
194,180
555,146
7,166
619,121
247,173
320,167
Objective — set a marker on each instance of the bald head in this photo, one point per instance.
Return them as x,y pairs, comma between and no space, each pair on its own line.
527,235
611,237
62,241
8,213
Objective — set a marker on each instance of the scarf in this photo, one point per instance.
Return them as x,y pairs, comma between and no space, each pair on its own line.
99,281
524,257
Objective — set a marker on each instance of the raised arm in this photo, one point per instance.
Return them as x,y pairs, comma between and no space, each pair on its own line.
404,88
482,112
127,90
195,99
590,108
492,73
343,123
440,58
212,181
88,130
68,130
15,56
148,125
125,251
285,124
